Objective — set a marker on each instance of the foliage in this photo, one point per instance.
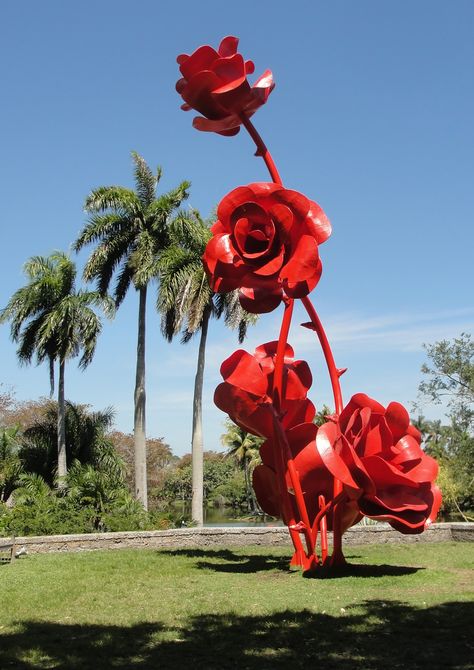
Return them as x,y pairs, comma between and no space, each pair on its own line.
450,379
223,483
10,462
450,376
131,230
86,440
244,448
159,457
49,318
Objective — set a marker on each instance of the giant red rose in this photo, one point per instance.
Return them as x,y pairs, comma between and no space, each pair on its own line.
376,454
215,84
246,393
265,243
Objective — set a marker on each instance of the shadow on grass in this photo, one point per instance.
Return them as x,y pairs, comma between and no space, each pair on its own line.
249,563
370,636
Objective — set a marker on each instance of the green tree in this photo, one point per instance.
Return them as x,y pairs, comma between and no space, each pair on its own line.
86,440
130,229
244,447
187,302
53,320
11,466
449,379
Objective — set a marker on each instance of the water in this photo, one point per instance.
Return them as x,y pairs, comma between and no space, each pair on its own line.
215,516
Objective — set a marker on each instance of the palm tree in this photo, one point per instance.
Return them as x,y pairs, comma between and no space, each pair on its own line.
244,447
86,440
131,229
186,301
51,319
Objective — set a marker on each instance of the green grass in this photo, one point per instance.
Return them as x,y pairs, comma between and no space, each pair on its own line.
403,606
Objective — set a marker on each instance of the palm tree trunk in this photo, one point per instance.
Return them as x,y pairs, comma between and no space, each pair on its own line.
140,405
197,442
62,462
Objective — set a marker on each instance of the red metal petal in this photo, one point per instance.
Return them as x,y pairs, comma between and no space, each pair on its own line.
200,60
259,300
241,369
228,126
397,419
317,223
228,46
327,436
303,262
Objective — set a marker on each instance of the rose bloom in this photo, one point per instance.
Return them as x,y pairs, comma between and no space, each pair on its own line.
314,477
215,84
246,393
376,454
265,242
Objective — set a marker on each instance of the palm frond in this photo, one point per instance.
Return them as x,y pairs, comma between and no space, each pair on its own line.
145,181
122,201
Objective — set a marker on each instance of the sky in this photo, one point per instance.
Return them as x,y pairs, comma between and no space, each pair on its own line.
372,117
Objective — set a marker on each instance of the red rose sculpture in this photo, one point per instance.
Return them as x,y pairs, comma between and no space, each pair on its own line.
265,242
215,84
376,454
246,391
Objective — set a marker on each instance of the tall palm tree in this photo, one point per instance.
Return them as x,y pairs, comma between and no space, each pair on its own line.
53,320
244,447
185,300
131,229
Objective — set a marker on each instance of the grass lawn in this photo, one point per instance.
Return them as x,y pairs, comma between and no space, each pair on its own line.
402,606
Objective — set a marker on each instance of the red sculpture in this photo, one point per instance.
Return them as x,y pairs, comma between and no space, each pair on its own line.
365,460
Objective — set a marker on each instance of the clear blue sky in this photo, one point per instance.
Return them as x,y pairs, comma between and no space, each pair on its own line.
372,116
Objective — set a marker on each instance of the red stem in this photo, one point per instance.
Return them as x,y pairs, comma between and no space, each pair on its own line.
334,373
261,149
279,434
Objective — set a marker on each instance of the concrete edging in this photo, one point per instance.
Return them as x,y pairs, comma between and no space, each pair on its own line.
181,538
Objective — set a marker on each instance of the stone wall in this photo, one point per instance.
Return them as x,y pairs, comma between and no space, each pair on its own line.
232,537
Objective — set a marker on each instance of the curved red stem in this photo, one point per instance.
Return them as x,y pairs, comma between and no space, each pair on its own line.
261,149
334,373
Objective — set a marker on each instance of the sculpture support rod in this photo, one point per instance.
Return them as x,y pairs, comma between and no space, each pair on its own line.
334,374
261,149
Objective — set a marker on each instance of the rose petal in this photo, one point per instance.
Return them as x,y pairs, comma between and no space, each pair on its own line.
200,60
241,369
259,300
317,223
228,46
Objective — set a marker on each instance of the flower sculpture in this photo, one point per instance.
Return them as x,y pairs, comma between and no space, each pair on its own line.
215,84
366,460
376,454
265,243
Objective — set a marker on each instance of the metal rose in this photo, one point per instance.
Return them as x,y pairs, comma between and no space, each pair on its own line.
215,84
376,454
246,391
314,476
265,242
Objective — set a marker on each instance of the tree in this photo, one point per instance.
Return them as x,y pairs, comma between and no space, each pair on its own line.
244,447
131,229
53,320
186,301
450,376
86,440
11,466
450,379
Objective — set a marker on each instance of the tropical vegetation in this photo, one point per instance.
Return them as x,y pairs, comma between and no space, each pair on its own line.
53,321
131,230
